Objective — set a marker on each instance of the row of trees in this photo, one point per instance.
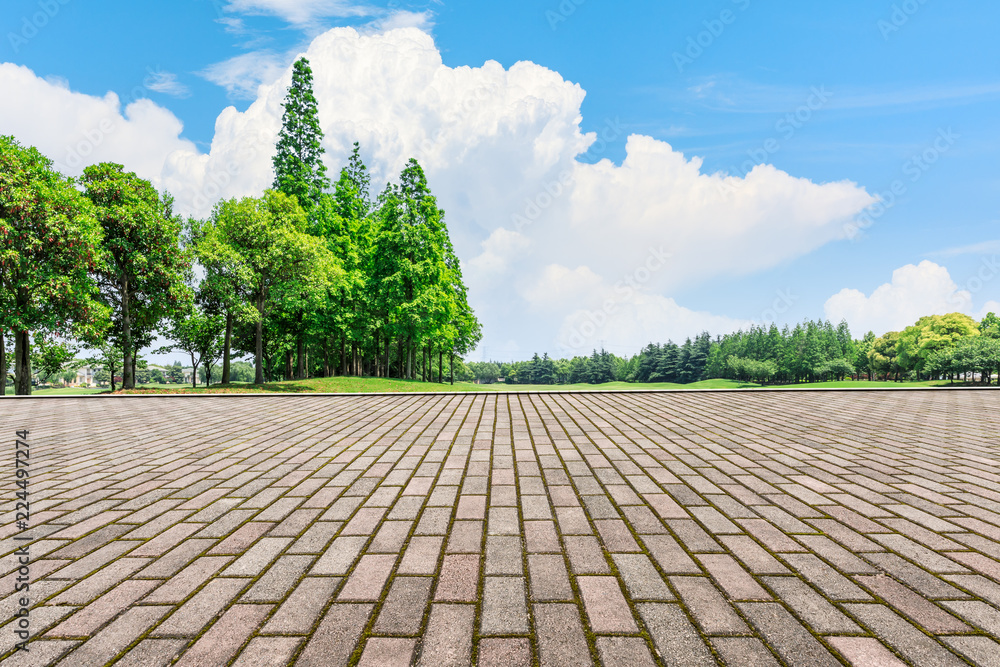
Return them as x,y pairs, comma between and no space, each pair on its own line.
311,277
937,346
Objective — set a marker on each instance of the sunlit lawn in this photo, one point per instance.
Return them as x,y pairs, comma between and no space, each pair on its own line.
349,385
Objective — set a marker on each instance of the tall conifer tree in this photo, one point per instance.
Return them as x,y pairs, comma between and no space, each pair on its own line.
298,165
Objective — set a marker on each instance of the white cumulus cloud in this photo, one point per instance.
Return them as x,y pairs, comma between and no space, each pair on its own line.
500,148
916,290
75,130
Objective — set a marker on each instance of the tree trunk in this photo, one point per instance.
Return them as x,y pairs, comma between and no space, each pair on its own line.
409,360
453,368
22,363
300,357
388,351
194,373
226,348
440,366
343,355
288,365
354,359
305,375
258,376
399,355
128,380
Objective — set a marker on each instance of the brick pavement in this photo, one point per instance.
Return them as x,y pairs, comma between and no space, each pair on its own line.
793,528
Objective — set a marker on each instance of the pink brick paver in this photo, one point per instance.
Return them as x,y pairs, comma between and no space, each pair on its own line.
750,528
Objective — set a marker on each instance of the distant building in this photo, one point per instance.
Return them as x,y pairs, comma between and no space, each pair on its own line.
84,377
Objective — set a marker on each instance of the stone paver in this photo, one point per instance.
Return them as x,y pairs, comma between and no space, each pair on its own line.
686,529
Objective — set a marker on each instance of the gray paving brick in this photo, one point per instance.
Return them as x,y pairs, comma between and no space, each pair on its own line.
739,651
224,639
710,610
506,652
676,639
560,635
624,652
503,555
605,605
865,652
198,611
838,542
266,651
338,633
505,610
549,578
642,581
902,636
811,607
980,650
785,635
448,639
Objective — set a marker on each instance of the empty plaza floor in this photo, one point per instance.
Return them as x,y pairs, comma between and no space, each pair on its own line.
749,528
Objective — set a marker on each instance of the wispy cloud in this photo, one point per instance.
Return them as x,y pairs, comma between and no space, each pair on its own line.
303,13
730,94
984,248
242,75
403,19
167,83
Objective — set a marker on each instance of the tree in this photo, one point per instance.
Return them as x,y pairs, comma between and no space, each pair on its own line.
142,274
990,326
837,369
50,249
930,334
345,221
176,373
752,370
484,372
882,358
108,359
200,335
298,164
50,356
102,376
861,355
266,243
228,281
143,374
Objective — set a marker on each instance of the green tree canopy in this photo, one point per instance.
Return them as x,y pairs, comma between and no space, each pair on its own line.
930,334
142,275
49,251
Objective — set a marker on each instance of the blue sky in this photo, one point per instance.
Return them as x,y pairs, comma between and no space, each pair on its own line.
886,82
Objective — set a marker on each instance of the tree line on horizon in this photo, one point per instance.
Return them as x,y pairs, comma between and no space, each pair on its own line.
310,277
952,346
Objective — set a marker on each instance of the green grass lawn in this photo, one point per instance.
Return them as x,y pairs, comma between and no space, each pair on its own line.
349,385
84,391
